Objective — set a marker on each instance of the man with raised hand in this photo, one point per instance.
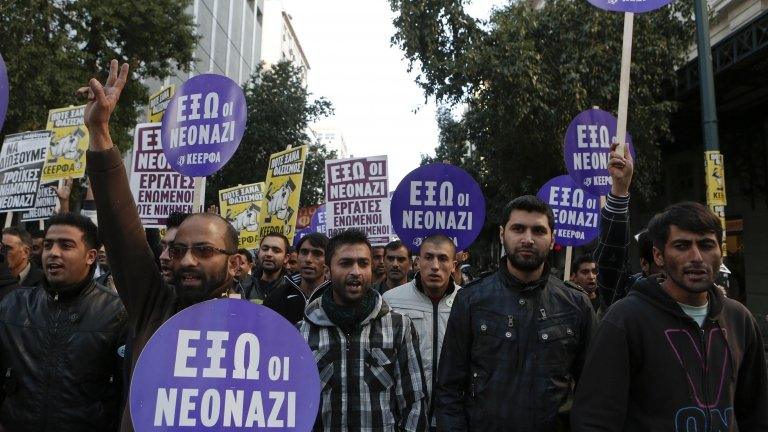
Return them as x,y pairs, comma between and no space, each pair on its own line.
516,340
397,264
367,355
202,256
676,355
427,300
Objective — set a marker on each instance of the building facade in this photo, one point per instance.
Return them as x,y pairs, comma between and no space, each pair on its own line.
280,41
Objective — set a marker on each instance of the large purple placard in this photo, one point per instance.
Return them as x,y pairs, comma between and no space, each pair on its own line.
576,211
587,148
4,91
203,125
635,6
438,199
225,365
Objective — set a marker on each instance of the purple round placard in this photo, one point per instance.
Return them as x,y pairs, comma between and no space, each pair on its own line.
438,198
577,212
587,147
317,223
300,234
4,91
225,365
203,125
635,6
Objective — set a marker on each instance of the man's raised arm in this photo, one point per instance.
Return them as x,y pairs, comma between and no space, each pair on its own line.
136,276
611,253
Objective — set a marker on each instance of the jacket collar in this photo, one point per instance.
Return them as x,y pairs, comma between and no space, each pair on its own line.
451,285
71,292
509,280
650,290
315,314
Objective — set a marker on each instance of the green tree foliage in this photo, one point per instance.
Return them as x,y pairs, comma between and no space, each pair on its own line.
523,75
279,112
52,48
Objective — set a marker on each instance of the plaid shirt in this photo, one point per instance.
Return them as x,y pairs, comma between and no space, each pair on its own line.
372,380
613,278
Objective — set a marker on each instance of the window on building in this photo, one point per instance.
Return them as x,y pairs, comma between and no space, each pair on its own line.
259,15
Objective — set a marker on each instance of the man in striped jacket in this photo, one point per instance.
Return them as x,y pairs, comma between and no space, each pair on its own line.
367,355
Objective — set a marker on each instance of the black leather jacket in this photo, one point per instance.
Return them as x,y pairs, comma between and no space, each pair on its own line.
59,360
511,354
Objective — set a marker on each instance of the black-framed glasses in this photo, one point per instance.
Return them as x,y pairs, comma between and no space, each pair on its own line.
179,251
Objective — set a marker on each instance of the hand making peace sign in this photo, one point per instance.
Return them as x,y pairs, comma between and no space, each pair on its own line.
102,101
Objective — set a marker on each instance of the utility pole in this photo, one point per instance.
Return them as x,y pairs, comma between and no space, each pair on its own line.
714,166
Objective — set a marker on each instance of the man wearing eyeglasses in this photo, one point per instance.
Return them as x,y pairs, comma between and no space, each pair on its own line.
203,260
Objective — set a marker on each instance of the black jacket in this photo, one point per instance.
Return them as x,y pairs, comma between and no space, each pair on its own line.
511,354
35,276
254,291
287,299
652,368
59,359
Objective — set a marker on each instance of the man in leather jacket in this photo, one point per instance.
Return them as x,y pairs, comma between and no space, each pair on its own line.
515,341
59,340
202,256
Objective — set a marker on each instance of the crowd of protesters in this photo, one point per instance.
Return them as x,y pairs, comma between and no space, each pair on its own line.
401,344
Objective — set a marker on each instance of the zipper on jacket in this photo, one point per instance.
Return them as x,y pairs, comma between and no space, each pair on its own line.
704,386
435,317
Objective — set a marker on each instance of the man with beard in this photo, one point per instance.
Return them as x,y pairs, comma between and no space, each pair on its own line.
202,254
516,340
397,264
291,297
678,354
172,226
427,300
367,355
379,271
584,275
271,275
59,340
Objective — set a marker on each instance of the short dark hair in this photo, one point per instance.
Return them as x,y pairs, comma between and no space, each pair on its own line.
688,216
438,239
645,246
248,255
175,219
82,223
395,245
529,203
21,233
578,262
37,233
231,236
316,239
347,237
278,235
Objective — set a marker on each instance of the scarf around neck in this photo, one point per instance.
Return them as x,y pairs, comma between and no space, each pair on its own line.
345,317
